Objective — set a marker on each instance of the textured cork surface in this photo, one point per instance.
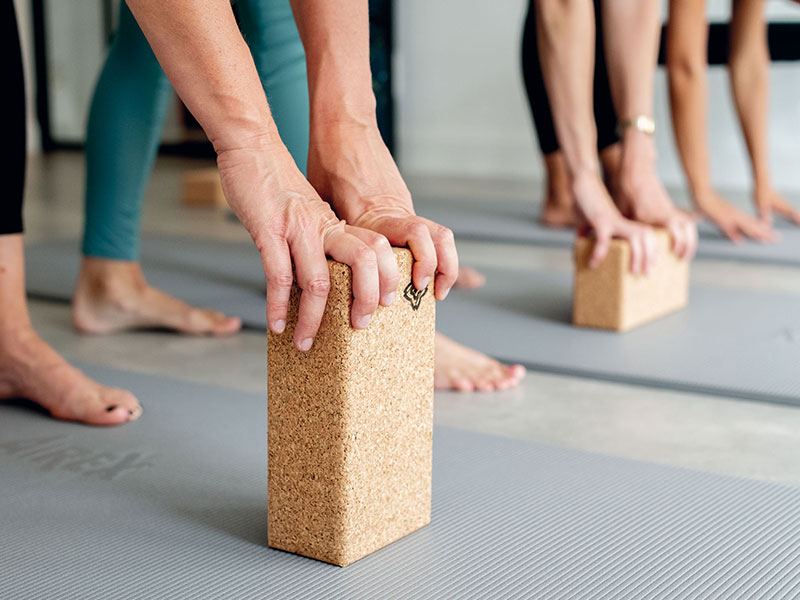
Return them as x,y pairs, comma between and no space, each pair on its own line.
202,187
611,297
350,425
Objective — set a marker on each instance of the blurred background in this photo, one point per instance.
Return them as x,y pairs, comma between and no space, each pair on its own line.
448,80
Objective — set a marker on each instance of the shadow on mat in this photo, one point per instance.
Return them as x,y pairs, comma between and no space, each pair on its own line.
24,404
540,304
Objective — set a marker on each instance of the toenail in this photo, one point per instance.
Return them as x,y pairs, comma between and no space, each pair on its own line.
111,408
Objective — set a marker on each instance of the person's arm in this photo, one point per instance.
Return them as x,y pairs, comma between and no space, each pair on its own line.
687,37
566,45
202,52
749,75
631,42
348,163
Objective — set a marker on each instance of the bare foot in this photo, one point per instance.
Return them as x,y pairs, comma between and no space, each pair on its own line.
469,279
31,369
466,370
559,206
113,295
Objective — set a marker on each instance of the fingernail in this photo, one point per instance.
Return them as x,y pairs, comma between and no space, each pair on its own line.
111,408
279,326
362,321
135,413
388,299
444,295
305,344
424,283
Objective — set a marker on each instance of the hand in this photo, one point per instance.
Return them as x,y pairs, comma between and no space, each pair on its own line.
599,212
289,222
769,201
641,196
734,223
350,166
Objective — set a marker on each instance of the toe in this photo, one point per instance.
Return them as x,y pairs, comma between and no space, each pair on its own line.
112,415
227,325
120,407
200,321
463,384
469,278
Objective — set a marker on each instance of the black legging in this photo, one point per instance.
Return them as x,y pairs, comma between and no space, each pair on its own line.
604,114
14,163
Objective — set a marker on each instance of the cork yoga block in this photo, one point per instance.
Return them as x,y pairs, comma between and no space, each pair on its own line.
350,425
202,187
611,297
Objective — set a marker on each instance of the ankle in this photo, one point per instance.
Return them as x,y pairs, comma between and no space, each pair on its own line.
111,278
15,334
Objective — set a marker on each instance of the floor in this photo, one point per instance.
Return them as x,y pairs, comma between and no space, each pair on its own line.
708,433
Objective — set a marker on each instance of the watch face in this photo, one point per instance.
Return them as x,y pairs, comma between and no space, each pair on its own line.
645,124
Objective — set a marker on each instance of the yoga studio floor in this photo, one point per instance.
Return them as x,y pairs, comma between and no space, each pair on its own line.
707,433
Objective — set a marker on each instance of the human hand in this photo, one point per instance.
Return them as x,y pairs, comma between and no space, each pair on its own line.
290,223
351,168
599,212
642,197
734,223
768,201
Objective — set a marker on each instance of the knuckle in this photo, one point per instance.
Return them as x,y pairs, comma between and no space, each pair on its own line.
317,286
379,242
277,228
281,280
417,229
442,233
365,256
369,298
277,308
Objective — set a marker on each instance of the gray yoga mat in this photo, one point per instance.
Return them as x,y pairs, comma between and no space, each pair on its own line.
728,342
174,506
503,220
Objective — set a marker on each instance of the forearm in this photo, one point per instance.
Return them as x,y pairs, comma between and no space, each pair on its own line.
566,46
336,40
686,67
749,75
210,66
631,44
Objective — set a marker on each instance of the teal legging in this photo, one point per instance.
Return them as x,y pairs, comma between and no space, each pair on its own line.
130,104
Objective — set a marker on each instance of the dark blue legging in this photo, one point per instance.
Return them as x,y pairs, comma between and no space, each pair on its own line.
130,104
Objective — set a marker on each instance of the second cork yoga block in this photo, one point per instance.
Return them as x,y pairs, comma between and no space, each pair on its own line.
350,425
202,187
611,297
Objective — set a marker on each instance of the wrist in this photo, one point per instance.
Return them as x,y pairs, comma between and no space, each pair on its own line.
255,153
246,135
702,194
342,95
341,115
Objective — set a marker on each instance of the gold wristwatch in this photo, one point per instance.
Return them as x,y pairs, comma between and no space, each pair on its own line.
641,123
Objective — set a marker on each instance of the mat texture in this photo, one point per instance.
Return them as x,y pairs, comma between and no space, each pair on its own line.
730,342
174,506
504,220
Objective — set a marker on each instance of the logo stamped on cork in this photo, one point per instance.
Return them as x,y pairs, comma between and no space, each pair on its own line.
414,296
